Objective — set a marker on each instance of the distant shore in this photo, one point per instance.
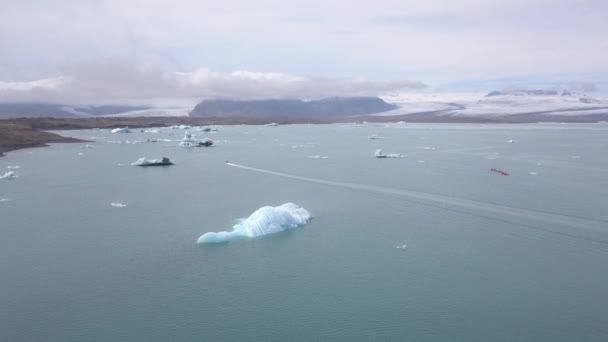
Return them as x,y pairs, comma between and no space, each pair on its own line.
19,133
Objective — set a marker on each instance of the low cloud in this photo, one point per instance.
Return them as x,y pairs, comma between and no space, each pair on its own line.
117,81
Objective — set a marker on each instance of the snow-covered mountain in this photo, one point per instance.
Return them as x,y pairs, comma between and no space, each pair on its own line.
499,103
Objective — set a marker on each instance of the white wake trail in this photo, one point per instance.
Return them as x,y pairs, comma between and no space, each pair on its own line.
434,199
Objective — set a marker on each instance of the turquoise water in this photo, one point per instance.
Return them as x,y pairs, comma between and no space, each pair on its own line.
486,258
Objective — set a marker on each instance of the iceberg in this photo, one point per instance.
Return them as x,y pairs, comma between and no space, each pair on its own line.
118,205
272,124
13,167
9,175
380,154
121,130
164,161
189,141
86,146
264,221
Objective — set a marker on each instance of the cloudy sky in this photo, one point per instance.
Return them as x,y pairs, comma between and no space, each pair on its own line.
144,50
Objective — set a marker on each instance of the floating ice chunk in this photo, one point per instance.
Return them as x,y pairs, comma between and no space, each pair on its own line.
9,175
533,173
164,161
510,141
375,136
318,157
13,167
80,154
539,164
297,146
118,205
576,157
121,130
421,161
429,148
189,141
402,247
264,221
4,200
86,146
380,154
272,124
151,131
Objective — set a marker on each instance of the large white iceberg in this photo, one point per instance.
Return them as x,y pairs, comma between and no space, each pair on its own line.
264,221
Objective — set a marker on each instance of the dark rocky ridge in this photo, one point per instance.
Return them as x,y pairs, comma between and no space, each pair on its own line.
292,108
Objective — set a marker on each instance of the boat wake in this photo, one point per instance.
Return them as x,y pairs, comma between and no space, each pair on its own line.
445,202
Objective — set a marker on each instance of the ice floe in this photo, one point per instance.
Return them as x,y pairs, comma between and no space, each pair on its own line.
14,167
9,175
190,141
87,146
264,221
121,130
272,124
318,157
118,205
164,161
380,154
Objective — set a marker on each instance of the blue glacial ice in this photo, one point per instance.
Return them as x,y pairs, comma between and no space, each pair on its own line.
264,221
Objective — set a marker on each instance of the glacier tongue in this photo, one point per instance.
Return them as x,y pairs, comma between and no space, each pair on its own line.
264,221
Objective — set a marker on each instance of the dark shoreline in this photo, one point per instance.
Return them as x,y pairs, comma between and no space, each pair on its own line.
19,133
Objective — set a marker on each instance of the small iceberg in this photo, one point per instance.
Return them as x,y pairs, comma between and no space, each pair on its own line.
164,161
264,221
533,173
118,205
181,127
511,141
121,130
272,124
87,146
402,247
318,157
189,141
380,154
155,131
9,175
14,167
374,137
4,200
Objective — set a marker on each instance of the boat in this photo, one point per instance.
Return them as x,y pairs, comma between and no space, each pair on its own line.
164,161
500,172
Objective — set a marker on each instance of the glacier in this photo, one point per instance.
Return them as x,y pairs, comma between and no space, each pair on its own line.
264,221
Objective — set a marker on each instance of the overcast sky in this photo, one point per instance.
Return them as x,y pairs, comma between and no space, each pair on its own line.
137,50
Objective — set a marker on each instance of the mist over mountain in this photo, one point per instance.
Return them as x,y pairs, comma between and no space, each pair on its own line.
16,110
